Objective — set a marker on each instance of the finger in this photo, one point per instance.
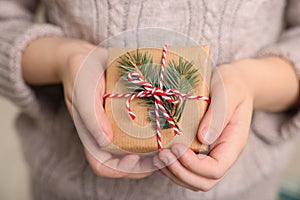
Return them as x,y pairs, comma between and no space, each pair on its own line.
101,169
102,120
200,164
130,166
183,174
87,97
164,170
92,141
134,164
126,164
146,165
226,150
234,137
173,178
142,169
218,113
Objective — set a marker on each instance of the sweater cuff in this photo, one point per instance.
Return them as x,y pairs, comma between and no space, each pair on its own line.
286,124
12,84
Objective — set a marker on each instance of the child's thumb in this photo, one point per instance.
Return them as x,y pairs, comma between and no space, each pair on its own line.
216,117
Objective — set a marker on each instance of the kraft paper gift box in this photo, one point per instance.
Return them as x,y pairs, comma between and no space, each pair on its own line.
139,135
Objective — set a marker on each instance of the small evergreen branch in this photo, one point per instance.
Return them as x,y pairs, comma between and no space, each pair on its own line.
182,77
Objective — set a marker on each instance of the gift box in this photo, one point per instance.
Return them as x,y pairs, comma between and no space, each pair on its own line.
140,123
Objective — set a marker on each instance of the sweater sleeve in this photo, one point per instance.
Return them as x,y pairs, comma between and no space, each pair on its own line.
17,30
287,47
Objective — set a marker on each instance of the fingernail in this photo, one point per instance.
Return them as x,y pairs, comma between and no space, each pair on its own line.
201,156
165,160
209,136
176,152
159,165
102,140
203,132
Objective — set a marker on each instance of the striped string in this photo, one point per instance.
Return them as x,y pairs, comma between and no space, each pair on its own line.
157,93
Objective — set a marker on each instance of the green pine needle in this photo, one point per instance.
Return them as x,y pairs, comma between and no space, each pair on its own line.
182,77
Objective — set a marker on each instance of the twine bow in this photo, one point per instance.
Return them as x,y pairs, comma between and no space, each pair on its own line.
157,94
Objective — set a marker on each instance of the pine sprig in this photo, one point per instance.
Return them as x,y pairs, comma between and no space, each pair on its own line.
182,77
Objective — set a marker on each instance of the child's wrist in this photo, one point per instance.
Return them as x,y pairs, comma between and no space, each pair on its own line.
272,81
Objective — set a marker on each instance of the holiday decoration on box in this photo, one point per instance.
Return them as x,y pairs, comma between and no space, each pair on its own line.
156,97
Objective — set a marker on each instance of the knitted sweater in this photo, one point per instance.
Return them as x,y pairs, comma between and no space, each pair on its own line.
234,29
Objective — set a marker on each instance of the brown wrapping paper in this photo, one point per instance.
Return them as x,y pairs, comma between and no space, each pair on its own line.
139,135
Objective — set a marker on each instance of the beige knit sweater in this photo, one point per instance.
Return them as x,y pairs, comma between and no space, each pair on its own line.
234,28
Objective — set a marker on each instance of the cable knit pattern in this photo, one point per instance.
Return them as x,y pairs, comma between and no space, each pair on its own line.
16,32
234,29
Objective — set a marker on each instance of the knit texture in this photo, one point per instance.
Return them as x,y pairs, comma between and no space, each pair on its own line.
233,29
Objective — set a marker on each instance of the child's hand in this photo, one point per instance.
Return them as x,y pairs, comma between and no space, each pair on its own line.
84,86
235,89
65,60
201,172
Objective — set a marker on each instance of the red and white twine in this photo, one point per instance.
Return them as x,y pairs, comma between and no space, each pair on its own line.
158,94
